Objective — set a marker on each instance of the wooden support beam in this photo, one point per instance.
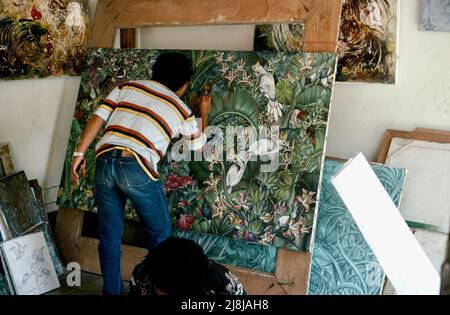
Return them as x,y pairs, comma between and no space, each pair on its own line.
321,17
127,38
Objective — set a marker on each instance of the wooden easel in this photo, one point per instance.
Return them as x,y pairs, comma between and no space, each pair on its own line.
321,18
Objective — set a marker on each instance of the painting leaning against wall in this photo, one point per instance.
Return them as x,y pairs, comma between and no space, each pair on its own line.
367,46
435,16
286,92
41,38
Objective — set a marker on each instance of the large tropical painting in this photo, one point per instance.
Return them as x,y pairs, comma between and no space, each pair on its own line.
260,189
40,38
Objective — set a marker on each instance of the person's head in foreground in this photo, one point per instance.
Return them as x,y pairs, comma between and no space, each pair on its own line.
173,70
179,267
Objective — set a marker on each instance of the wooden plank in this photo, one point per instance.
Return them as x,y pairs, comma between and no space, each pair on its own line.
321,17
291,277
127,38
293,271
433,131
433,136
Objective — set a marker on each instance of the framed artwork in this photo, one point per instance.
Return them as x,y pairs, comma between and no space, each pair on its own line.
425,155
6,162
435,16
368,40
29,265
232,198
342,261
41,38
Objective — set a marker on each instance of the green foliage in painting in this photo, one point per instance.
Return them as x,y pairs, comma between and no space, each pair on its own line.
234,196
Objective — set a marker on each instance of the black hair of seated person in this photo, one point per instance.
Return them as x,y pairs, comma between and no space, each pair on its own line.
178,267
173,70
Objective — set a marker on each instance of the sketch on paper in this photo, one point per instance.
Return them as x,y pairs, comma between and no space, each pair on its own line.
289,92
367,46
30,265
41,38
435,16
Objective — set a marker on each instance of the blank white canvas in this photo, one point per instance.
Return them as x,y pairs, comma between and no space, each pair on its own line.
385,230
426,196
30,265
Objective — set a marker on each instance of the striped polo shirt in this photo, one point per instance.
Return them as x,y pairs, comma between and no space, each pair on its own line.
143,117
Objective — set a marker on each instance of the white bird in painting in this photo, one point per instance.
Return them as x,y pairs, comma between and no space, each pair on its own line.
266,83
236,171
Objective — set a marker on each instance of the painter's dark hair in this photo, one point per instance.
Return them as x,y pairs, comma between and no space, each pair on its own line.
179,267
172,70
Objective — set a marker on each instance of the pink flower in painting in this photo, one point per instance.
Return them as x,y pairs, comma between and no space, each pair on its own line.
183,203
79,115
186,181
185,222
35,14
172,182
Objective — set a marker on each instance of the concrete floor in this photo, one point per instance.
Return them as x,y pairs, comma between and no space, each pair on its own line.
91,284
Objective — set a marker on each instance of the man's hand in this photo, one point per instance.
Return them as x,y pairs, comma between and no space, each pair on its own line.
78,162
204,105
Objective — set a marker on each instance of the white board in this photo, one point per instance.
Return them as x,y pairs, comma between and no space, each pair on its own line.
426,196
385,230
30,266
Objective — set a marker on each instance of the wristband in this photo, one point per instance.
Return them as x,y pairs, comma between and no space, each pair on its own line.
78,154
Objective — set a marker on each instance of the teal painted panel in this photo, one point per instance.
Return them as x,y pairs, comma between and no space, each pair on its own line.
342,262
234,252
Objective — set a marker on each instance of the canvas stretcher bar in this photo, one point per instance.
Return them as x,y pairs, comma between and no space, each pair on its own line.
321,17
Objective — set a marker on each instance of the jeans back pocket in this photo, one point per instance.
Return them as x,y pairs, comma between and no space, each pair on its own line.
133,173
100,171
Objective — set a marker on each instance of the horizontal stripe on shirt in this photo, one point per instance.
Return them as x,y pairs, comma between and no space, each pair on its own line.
143,117
162,97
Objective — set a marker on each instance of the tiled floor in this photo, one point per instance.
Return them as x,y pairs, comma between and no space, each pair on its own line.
91,284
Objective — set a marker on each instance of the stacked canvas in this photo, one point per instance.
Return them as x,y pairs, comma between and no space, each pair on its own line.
342,262
426,205
23,213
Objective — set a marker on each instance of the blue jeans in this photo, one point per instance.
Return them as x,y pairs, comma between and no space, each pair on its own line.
116,179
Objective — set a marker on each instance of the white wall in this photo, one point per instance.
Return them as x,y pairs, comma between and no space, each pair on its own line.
36,114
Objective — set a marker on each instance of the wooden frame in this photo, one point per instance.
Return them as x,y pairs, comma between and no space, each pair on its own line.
420,134
321,19
6,160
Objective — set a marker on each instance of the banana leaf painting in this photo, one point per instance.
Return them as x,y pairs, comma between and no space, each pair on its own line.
232,197
342,262
40,38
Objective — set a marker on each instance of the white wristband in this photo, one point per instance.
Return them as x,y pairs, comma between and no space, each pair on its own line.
78,154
